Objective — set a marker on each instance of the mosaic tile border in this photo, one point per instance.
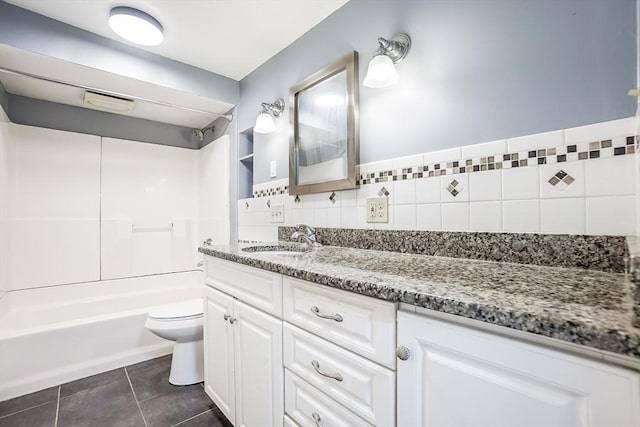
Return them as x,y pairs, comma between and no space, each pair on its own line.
528,158
271,191
544,156
602,253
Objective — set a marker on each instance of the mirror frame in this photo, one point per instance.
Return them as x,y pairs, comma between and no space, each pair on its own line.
348,64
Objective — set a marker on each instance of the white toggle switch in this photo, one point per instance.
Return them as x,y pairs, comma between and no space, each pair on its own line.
273,169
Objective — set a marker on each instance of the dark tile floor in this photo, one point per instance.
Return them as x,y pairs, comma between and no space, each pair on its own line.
139,395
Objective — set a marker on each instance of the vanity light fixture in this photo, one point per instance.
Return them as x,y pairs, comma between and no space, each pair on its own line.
382,71
264,122
135,26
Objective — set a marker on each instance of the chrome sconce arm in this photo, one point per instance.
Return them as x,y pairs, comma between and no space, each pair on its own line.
264,122
381,71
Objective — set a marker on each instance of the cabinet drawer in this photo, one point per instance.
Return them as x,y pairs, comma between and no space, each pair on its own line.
302,401
367,325
288,422
366,388
259,288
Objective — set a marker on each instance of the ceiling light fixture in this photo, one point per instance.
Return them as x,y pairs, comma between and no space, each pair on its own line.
381,71
135,26
264,122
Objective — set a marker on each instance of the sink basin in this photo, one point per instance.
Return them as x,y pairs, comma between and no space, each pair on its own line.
277,250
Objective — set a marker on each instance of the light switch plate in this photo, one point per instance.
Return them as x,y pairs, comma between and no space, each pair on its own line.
277,213
377,209
273,169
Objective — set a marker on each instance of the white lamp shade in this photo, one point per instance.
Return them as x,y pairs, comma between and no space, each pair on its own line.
135,26
264,124
381,72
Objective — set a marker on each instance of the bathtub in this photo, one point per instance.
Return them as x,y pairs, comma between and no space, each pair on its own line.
57,334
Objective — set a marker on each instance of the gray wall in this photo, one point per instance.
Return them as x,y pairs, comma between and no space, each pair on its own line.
479,70
36,112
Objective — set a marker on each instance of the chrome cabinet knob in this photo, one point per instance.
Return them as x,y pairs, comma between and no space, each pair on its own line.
316,419
232,320
403,353
226,317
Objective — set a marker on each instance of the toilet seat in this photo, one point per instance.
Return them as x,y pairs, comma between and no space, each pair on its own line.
184,310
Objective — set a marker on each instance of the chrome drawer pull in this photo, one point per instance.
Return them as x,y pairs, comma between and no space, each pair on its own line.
315,310
316,419
316,366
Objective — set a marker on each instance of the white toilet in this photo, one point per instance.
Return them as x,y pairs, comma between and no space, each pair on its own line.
181,322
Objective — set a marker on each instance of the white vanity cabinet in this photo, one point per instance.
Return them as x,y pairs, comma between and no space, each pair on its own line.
459,376
338,356
243,344
283,351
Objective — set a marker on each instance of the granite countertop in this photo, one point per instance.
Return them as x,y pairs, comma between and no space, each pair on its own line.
587,307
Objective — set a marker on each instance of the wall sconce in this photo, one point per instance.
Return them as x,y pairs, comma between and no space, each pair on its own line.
382,72
264,122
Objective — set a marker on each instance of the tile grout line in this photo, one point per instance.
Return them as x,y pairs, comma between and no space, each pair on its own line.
135,398
26,409
190,418
57,407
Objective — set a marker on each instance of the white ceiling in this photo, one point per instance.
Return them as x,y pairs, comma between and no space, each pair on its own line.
228,37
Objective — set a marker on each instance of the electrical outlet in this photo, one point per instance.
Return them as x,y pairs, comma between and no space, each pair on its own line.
277,213
377,209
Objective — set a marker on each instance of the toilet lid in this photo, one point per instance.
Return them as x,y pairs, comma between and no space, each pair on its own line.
179,310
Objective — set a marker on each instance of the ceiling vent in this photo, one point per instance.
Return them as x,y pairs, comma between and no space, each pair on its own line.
109,103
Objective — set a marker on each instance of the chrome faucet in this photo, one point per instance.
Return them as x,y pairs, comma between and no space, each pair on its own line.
308,235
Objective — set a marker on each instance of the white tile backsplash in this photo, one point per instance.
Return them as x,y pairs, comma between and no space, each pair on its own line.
521,183
403,192
613,176
429,217
455,216
563,216
498,198
428,190
571,186
485,186
537,141
599,131
521,216
454,188
407,162
485,216
448,155
348,217
611,215
484,150
404,217
334,217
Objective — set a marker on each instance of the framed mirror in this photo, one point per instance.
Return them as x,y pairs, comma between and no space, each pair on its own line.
324,146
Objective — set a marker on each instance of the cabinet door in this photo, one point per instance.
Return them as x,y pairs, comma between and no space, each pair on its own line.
259,372
218,351
458,376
